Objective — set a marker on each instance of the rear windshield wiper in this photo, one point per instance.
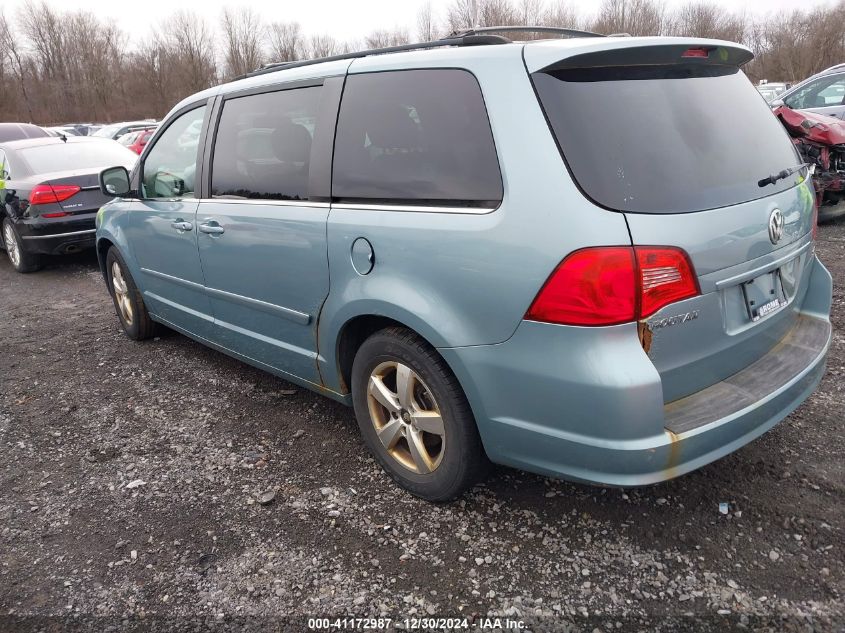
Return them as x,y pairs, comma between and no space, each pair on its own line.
786,173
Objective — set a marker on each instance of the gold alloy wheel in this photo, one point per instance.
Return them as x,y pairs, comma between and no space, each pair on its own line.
11,245
121,293
406,417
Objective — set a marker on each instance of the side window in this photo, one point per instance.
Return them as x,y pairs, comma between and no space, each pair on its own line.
171,166
834,93
415,137
5,169
825,91
263,145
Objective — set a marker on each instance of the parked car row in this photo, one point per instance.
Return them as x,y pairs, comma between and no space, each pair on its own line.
137,141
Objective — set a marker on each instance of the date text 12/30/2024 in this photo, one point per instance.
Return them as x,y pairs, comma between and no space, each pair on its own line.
413,624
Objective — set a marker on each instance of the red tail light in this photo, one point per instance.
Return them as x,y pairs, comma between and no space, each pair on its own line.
695,52
608,285
46,194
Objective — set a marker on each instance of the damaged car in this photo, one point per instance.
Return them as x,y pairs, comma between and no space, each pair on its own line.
820,140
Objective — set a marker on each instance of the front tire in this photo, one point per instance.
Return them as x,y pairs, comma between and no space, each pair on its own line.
21,261
414,416
127,299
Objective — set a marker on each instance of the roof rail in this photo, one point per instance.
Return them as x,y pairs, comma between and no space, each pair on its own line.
468,39
527,29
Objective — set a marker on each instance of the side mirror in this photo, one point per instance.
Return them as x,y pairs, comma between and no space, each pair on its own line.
114,181
776,103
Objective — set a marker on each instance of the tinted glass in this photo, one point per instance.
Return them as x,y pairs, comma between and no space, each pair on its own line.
665,139
263,146
171,166
415,137
17,131
44,159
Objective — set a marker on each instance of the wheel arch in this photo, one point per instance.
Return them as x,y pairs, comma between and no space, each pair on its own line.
103,246
337,370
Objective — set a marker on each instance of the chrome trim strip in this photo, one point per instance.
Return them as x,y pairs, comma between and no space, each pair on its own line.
177,280
751,274
292,315
179,306
275,203
414,209
71,234
90,188
268,340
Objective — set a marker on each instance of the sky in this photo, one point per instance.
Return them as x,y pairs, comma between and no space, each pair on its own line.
342,19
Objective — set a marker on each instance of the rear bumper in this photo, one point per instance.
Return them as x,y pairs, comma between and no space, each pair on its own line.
564,402
58,237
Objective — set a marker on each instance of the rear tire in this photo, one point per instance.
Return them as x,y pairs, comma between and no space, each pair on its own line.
21,261
414,416
127,299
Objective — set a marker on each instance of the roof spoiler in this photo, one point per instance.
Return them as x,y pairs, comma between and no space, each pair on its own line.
700,53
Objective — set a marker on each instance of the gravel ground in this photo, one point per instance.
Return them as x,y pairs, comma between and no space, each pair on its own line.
131,482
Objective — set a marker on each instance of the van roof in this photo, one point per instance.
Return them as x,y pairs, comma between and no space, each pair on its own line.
458,48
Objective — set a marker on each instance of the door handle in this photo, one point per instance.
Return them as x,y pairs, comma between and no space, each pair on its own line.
181,225
212,228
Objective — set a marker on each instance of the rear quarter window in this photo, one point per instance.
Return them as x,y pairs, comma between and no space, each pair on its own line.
418,137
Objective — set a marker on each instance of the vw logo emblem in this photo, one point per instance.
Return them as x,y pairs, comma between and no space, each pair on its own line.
776,226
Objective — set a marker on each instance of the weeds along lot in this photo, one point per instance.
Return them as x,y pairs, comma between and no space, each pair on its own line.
130,475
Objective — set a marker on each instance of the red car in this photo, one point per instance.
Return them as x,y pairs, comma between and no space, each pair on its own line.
136,141
820,140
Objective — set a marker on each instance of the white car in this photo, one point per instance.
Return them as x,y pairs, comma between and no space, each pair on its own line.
823,93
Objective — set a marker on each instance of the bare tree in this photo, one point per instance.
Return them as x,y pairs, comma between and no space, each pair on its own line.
700,19
562,14
637,17
384,38
425,23
286,41
243,36
531,12
10,51
58,65
188,42
322,46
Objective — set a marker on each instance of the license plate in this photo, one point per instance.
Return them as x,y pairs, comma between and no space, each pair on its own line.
764,295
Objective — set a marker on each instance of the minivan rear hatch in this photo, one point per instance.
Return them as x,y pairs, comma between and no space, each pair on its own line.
675,136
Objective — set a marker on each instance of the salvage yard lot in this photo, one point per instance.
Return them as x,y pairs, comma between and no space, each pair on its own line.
84,411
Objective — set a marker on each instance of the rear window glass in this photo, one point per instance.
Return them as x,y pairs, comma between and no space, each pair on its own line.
415,137
44,159
665,139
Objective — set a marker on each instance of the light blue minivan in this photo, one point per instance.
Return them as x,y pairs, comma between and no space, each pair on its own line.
591,257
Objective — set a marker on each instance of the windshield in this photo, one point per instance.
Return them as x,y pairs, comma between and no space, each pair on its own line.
108,131
665,139
44,159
